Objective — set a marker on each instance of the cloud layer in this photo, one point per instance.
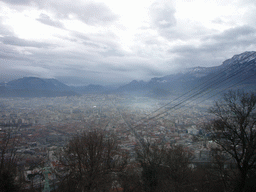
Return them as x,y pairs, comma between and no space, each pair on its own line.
104,42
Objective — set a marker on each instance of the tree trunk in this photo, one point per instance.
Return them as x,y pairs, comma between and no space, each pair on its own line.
241,182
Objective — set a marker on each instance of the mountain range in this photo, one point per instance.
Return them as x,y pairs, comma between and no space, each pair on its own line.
236,72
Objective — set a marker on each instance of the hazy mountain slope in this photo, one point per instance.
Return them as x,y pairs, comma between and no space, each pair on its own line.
32,83
236,72
35,87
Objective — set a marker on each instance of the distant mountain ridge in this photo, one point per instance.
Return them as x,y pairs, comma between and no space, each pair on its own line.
32,83
35,87
39,87
239,68
240,71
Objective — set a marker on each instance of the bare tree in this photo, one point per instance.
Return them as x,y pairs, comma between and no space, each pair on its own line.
234,131
91,160
150,157
129,178
8,160
164,169
177,159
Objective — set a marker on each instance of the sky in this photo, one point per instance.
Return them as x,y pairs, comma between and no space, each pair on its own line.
83,42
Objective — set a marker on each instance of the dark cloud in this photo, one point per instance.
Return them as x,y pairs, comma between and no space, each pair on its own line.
195,58
239,39
234,34
7,53
216,48
6,56
45,19
243,36
11,40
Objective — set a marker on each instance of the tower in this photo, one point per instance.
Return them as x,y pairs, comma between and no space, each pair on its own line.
46,183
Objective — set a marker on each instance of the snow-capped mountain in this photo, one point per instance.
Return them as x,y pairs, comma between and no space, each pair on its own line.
236,72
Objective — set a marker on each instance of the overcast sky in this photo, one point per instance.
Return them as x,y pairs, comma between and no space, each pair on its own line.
115,41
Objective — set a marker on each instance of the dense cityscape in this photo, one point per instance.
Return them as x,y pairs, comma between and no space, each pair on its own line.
44,125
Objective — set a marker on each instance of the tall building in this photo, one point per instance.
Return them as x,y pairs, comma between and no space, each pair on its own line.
46,183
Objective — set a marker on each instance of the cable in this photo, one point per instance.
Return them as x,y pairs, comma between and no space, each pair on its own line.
217,92
199,92
204,83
